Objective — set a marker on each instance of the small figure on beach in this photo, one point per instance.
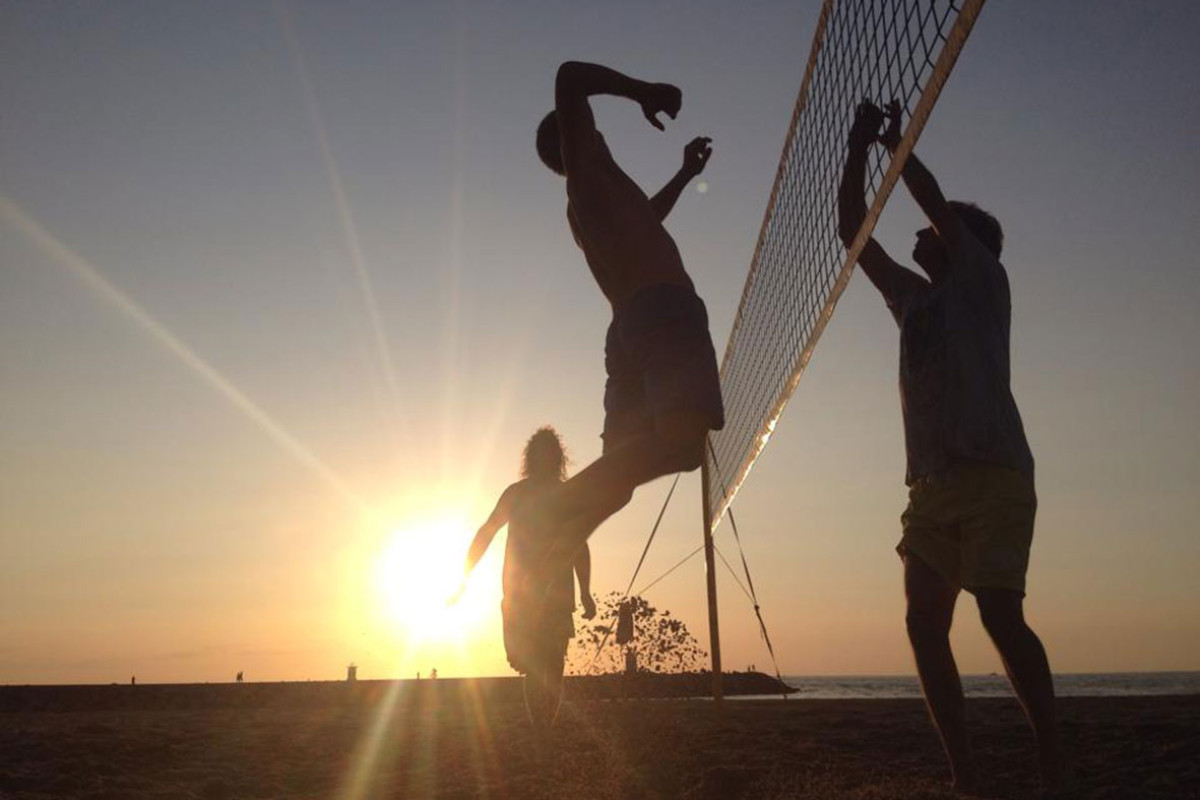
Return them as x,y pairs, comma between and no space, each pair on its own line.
239,676
537,623
970,516
433,674
662,395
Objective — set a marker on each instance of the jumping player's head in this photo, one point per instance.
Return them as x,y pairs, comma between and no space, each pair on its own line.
544,456
929,252
548,145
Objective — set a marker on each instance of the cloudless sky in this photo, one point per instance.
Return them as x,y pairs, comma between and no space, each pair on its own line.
284,289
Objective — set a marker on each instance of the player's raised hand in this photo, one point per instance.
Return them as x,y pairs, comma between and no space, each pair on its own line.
696,155
890,138
867,120
661,98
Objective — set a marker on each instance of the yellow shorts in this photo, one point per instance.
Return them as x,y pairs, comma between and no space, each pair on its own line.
973,523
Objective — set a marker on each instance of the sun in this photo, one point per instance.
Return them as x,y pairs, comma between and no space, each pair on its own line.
418,568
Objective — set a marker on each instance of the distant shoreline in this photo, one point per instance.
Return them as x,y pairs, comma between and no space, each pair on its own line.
369,692
736,685
853,676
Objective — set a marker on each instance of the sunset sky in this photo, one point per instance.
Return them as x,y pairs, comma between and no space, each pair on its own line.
284,289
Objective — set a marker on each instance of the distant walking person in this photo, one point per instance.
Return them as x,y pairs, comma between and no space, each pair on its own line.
537,623
663,395
969,521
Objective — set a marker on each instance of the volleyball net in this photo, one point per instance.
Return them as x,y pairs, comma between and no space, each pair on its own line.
875,49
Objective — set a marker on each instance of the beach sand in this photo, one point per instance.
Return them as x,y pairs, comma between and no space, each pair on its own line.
464,745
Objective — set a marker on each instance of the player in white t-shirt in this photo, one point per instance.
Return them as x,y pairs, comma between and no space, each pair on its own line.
969,521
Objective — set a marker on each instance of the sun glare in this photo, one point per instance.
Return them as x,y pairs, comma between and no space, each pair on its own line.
417,571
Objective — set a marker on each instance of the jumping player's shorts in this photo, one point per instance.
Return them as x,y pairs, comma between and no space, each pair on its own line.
535,632
659,358
973,524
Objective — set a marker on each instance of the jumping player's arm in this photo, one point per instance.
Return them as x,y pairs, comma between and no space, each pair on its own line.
483,537
583,573
695,157
921,184
577,81
892,280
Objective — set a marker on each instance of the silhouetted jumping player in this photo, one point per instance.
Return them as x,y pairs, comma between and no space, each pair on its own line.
537,622
662,395
969,521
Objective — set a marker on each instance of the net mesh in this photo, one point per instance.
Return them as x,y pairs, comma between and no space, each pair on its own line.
876,49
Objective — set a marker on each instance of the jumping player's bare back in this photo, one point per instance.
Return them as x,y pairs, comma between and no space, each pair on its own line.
663,394
622,239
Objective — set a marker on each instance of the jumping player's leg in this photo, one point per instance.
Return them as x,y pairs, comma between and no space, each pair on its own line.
661,399
930,611
676,444
606,485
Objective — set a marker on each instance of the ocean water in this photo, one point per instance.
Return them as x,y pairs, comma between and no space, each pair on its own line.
1116,684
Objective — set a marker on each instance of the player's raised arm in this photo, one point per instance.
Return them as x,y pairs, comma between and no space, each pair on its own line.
891,279
695,158
576,81
921,184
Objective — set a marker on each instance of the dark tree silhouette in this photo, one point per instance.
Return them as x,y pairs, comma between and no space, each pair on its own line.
661,641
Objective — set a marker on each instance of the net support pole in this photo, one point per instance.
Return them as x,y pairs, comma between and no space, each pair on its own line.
710,569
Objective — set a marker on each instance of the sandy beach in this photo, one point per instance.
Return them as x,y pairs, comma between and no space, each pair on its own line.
313,742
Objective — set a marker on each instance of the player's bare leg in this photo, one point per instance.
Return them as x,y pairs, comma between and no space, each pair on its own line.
1024,657
607,484
930,611
543,686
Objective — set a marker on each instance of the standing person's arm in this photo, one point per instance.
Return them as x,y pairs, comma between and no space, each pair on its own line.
695,157
577,81
891,279
583,572
921,184
483,538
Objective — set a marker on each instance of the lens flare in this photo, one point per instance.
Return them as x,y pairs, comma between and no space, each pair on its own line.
91,276
345,216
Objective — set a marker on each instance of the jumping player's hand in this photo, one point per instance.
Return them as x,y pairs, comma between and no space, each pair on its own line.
867,120
696,155
589,606
661,98
890,138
